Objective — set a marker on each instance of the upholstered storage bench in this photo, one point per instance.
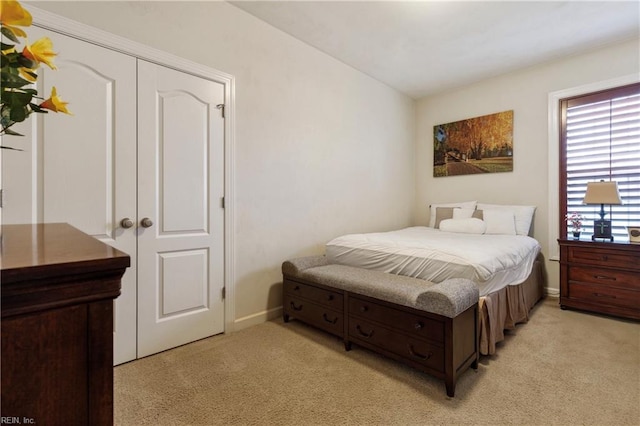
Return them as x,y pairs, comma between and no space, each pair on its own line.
430,327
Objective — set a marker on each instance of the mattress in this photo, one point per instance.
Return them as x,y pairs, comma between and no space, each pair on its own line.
491,261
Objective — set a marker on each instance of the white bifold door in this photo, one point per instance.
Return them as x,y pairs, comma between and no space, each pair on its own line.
140,166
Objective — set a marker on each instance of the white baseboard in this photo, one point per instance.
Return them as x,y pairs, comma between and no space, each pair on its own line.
552,292
257,318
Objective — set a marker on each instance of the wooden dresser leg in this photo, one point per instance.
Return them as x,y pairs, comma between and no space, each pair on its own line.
450,384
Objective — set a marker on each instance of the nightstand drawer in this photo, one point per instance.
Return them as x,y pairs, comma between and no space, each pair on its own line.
331,299
612,259
607,277
605,295
406,322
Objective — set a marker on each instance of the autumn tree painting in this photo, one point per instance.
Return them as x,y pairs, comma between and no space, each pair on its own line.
477,145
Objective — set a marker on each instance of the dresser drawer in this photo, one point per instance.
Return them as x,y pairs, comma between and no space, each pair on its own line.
604,295
406,322
606,258
607,277
416,350
331,299
314,314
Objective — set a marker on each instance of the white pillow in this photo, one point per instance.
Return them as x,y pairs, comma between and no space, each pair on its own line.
523,215
459,213
499,222
462,205
465,226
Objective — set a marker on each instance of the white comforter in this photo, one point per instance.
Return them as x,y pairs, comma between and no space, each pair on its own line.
492,261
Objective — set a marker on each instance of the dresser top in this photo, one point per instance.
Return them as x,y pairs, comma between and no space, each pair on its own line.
39,250
601,245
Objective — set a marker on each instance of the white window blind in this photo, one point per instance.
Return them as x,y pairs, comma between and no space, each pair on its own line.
602,142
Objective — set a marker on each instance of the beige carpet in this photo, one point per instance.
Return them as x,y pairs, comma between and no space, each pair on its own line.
563,367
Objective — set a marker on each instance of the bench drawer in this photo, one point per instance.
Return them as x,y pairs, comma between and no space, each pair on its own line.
331,299
314,314
422,352
412,324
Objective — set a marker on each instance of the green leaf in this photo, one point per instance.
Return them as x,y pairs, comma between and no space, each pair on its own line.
9,34
5,46
8,147
23,61
19,114
9,79
36,108
14,84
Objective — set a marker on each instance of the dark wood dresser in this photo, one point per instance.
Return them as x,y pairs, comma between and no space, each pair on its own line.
58,287
601,277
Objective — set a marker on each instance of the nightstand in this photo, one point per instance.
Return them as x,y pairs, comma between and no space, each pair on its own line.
601,277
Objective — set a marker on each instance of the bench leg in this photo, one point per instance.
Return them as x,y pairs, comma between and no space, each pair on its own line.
285,317
347,345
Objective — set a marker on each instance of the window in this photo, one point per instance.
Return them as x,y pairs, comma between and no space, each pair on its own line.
600,140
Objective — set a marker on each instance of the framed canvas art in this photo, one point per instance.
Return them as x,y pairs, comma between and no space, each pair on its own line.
475,145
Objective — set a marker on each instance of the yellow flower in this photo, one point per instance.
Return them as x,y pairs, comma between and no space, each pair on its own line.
12,13
54,103
41,51
26,74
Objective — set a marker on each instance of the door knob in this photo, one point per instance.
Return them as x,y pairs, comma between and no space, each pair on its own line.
146,222
126,223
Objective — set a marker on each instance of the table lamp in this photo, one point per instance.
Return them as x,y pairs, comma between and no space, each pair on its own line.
602,193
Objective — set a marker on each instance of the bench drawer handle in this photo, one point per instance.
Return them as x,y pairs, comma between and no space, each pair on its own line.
362,333
293,306
419,325
330,297
364,308
326,318
418,355
296,288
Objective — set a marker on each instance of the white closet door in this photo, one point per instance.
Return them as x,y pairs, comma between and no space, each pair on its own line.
81,169
180,176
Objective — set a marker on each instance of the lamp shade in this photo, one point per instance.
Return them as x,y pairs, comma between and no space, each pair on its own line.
602,193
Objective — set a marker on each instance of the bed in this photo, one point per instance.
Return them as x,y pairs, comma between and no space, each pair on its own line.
491,248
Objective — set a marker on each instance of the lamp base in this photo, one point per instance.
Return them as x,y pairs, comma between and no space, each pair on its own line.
602,230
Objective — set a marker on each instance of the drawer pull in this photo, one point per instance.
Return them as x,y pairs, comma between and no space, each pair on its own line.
364,308
419,325
296,288
418,355
608,296
330,297
362,333
605,257
293,306
326,318
604,277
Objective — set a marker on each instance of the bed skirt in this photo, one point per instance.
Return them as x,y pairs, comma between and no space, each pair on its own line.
503,309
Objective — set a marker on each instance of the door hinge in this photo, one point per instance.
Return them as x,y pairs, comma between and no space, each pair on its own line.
224,292
1,198
221,108
222,202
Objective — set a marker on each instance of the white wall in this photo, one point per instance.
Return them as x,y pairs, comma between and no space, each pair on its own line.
526,92
321,149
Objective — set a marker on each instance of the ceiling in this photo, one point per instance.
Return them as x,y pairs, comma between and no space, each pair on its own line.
424,47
